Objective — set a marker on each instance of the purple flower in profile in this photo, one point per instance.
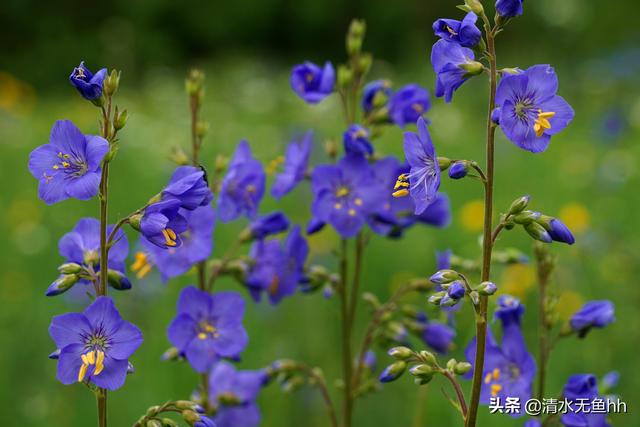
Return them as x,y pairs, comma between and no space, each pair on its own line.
94,345
423,179
438,336
312,83
509,369
594,314
277,268
189,185
530,111
345,194
196,246
242,187
295,166
267,225
464,32
82,246
408,104
356,141
208,327
89,85
69,165
234,395
453,65
582,387
375,92
162,223
509,8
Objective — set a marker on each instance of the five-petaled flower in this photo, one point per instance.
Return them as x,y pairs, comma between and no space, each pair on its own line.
313,83
345,194
423,179
89,85
408,103
189,185
242,187
296,161
233,393
70,165
464,32
208,327
94,345
530,111
453,65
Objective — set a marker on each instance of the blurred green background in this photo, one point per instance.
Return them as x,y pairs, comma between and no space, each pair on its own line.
587,177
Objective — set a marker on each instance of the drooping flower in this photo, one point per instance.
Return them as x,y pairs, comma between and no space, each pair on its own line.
375,95
233,393
267,225
242,187
69,165
82,246
208,327
464,32
408,104
509,8
453,65
94,345
296,162
189,185
356,141
89,85
196,246
582,387
277,268
312,83
423,179
162,223
594,314
438,336
530,111
345,194
509,369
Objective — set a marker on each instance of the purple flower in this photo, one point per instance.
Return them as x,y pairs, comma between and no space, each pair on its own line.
438,213
311,82
241,388
458,170
314,225
509,310
277,268
162,223
408,104
423,179
509,8
189,185
530,110
370,360
462,32
267,225
208,327
375,92
69,165
94,345
196,246
443,259
594,314
242,187
356,141
585,388
453,65
295,166
82,246
509,369
89,85
438,336
345,194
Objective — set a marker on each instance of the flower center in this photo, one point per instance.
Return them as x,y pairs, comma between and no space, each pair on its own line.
141,265
542,122
71,165
401,188
450,30
207,330
170,237
79,73
342,191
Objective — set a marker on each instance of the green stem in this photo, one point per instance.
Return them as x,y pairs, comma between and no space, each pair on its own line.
104,247
544,268
346,338
101,401
487,243
360,243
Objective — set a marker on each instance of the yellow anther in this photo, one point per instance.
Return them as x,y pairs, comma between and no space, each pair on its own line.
65,156
342,191
91,357
496,374
309,77
99,363
274,164
358,201
400,193
82,372
450,30
169,237
400,184
542,122
202,336
60,154
495,389
352,212
403,177
209,328
487,378
56,167
251,188
65,164
418,108
141,265
85,359
337,206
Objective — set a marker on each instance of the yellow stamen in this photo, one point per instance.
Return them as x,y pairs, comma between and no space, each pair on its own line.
400,184
56,167
91,357
202,336
400,193
358,201
209,328
487,378
542,122
82,372
352,212
169,237
85,359
342,191
337,206
99,363
496,374
65,164
450,30
495,389
141,266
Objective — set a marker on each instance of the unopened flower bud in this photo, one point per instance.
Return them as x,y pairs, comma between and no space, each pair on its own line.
70,268
168,422
444,163
447,301
345,76
458,170
456,290
451,364
400,353
194,82
487,288
421,370
444,276
117,280
526,217
393,371
364,63
475,6
437,298
371,299
190,416
120,119
111,83
178,156
202,128
172,353
62,284
428,357
292,384
472,68
519,205
462,368
538,232
153,423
